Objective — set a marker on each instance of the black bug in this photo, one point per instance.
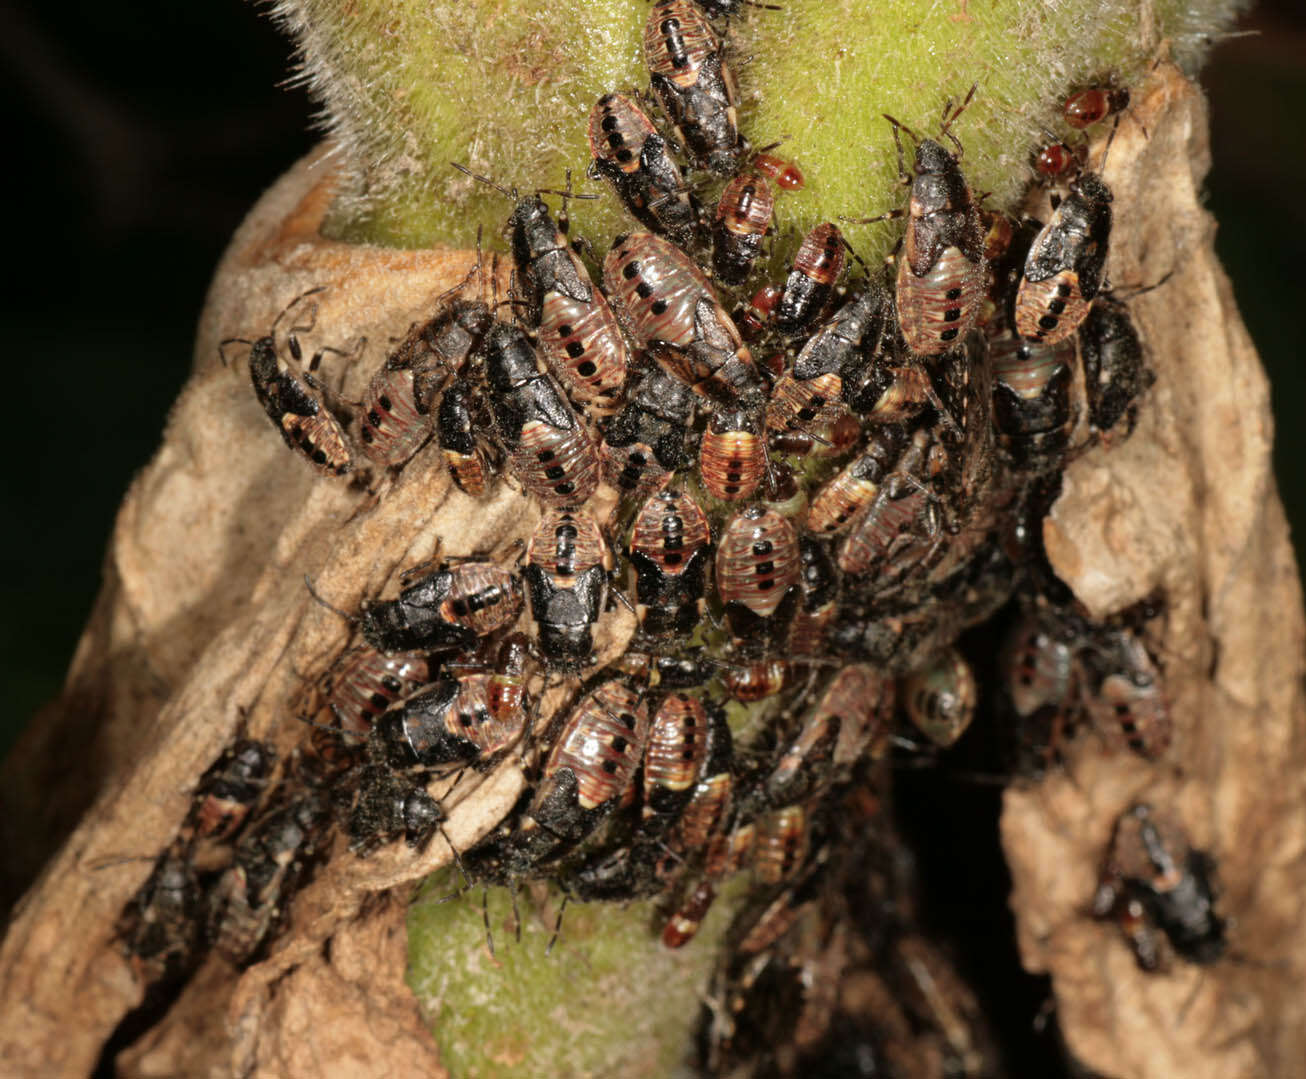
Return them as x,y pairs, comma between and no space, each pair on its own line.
941,272
819,581
230,789
460,425
548,447
629,153
644,444
845,357
568,568
297,403
470,719
757,570
810,285
586,774
743,218
669,551
1033,409
395,416
160,926
1066,264
447,609
668,306
694,83
1151,863
1115,371
576,329
270,864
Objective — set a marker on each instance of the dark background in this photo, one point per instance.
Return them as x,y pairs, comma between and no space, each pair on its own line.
135,148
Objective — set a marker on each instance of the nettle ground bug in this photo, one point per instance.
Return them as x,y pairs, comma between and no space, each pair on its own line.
941,271
668,305
365,682
644,444
1033,410
575,328
743,217
753,318
1115,372
784,174
1126,699
629,153
1066,264
1037,667
757,570
448,608
568,568
940,697
548,447
810,285
460,425
1087,107
731,455
844,353
1151,863
819,581
470,719
837,504
679,742
295,402
270,863
395,415
755,681
669,550
691,78
586,774
230,789
781,844
159,927
862,699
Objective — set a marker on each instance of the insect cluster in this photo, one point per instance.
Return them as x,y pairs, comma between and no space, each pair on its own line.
804,490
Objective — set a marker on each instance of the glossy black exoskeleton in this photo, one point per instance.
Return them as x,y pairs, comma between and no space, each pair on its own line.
568,569
694,83
449,608
296,403
551,452
669,550
461,423
588,771
576,329
629,153
810,285
1066,264
645,442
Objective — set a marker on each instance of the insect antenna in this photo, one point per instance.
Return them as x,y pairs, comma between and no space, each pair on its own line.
312,591
510,193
